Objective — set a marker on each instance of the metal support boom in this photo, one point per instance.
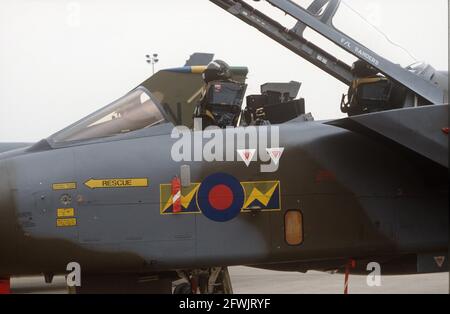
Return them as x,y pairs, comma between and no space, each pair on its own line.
415,83
291,39
321,23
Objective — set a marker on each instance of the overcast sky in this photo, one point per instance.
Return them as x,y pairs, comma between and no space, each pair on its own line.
61,59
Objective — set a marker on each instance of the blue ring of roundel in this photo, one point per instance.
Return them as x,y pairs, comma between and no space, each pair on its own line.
238,197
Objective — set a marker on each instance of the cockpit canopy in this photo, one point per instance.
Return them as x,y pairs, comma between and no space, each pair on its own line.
137,110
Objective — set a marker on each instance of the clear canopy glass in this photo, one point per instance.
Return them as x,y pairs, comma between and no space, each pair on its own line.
135,111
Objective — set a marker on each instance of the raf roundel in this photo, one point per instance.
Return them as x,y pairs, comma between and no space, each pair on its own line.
221,197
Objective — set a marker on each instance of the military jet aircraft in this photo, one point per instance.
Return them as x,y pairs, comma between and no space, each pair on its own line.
144,199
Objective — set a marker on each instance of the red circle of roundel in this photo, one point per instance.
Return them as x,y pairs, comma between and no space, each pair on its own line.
220,197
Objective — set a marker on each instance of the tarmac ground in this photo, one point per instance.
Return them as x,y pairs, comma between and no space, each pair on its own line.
254,281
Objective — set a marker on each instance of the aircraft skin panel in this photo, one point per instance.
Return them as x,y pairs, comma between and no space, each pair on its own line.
6,147
421,129
118,227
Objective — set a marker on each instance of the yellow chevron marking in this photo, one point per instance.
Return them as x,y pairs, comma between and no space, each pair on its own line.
185,199
167,205
264,198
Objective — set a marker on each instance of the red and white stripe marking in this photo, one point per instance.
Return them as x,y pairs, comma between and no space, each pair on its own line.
176,195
